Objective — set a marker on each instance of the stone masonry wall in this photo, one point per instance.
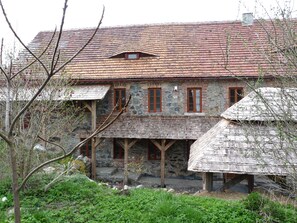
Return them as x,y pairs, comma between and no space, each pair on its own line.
215,99
174,96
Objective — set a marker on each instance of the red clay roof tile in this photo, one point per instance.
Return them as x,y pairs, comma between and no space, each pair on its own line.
199,50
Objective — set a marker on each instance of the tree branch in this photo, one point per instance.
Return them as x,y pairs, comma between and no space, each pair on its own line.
28,105
83,47
55,144
19,39
31,63
79,145
5,138
53,63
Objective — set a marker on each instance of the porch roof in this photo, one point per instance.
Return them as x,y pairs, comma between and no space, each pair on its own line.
159,127
71,93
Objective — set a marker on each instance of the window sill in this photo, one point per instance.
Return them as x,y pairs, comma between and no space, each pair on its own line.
194,113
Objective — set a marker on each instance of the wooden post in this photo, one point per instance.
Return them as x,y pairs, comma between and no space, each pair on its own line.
126,149
127,145
250,180
207,181
95,143
163,147
163,163
94,120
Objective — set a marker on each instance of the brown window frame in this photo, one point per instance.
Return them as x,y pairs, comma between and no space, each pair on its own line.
154,110
194,99
118,149
236,95
86,149
27,120
115,100
153,153
127,56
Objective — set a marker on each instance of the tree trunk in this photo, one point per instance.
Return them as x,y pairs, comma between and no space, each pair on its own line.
16,197
13,159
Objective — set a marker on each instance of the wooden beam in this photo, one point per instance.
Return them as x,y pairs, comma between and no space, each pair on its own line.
87,106
156,143
170,143
163,147
127,145
235,180
251,181
207,181
94,120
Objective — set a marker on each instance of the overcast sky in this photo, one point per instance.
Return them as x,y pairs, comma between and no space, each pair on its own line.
31,16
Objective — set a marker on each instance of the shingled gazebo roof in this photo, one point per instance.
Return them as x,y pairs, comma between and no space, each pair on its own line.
248,140
265,104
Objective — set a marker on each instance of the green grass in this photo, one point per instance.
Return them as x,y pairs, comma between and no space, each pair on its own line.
78,200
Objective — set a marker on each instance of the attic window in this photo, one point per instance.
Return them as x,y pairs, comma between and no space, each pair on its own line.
132,56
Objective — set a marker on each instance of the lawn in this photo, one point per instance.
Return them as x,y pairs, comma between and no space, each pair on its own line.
78,200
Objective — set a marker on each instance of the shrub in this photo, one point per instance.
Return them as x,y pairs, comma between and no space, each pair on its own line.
254,202
269,210
79,165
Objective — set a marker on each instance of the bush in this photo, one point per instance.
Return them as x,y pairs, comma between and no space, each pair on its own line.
254,202
269,210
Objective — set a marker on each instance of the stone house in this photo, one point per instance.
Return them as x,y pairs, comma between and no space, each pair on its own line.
181,77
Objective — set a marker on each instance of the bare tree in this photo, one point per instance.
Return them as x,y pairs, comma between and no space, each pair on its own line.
17,110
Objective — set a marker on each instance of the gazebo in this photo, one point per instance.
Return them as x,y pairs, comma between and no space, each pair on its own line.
256,136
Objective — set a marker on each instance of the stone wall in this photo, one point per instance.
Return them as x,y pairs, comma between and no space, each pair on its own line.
174,103
175,164
174,96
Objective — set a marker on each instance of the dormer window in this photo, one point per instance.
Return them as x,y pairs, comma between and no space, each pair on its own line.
131,56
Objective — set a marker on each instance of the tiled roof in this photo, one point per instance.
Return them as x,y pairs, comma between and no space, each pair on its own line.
231,147
181,51
265,104
159,127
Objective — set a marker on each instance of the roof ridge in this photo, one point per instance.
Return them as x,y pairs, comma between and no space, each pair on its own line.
149,25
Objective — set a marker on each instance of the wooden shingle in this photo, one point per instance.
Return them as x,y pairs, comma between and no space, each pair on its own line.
250,139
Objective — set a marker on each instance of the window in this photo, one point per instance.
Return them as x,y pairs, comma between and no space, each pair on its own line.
118,150
86,149
154,100
235,95
26,121
132,56
120,98
194,100
153,152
